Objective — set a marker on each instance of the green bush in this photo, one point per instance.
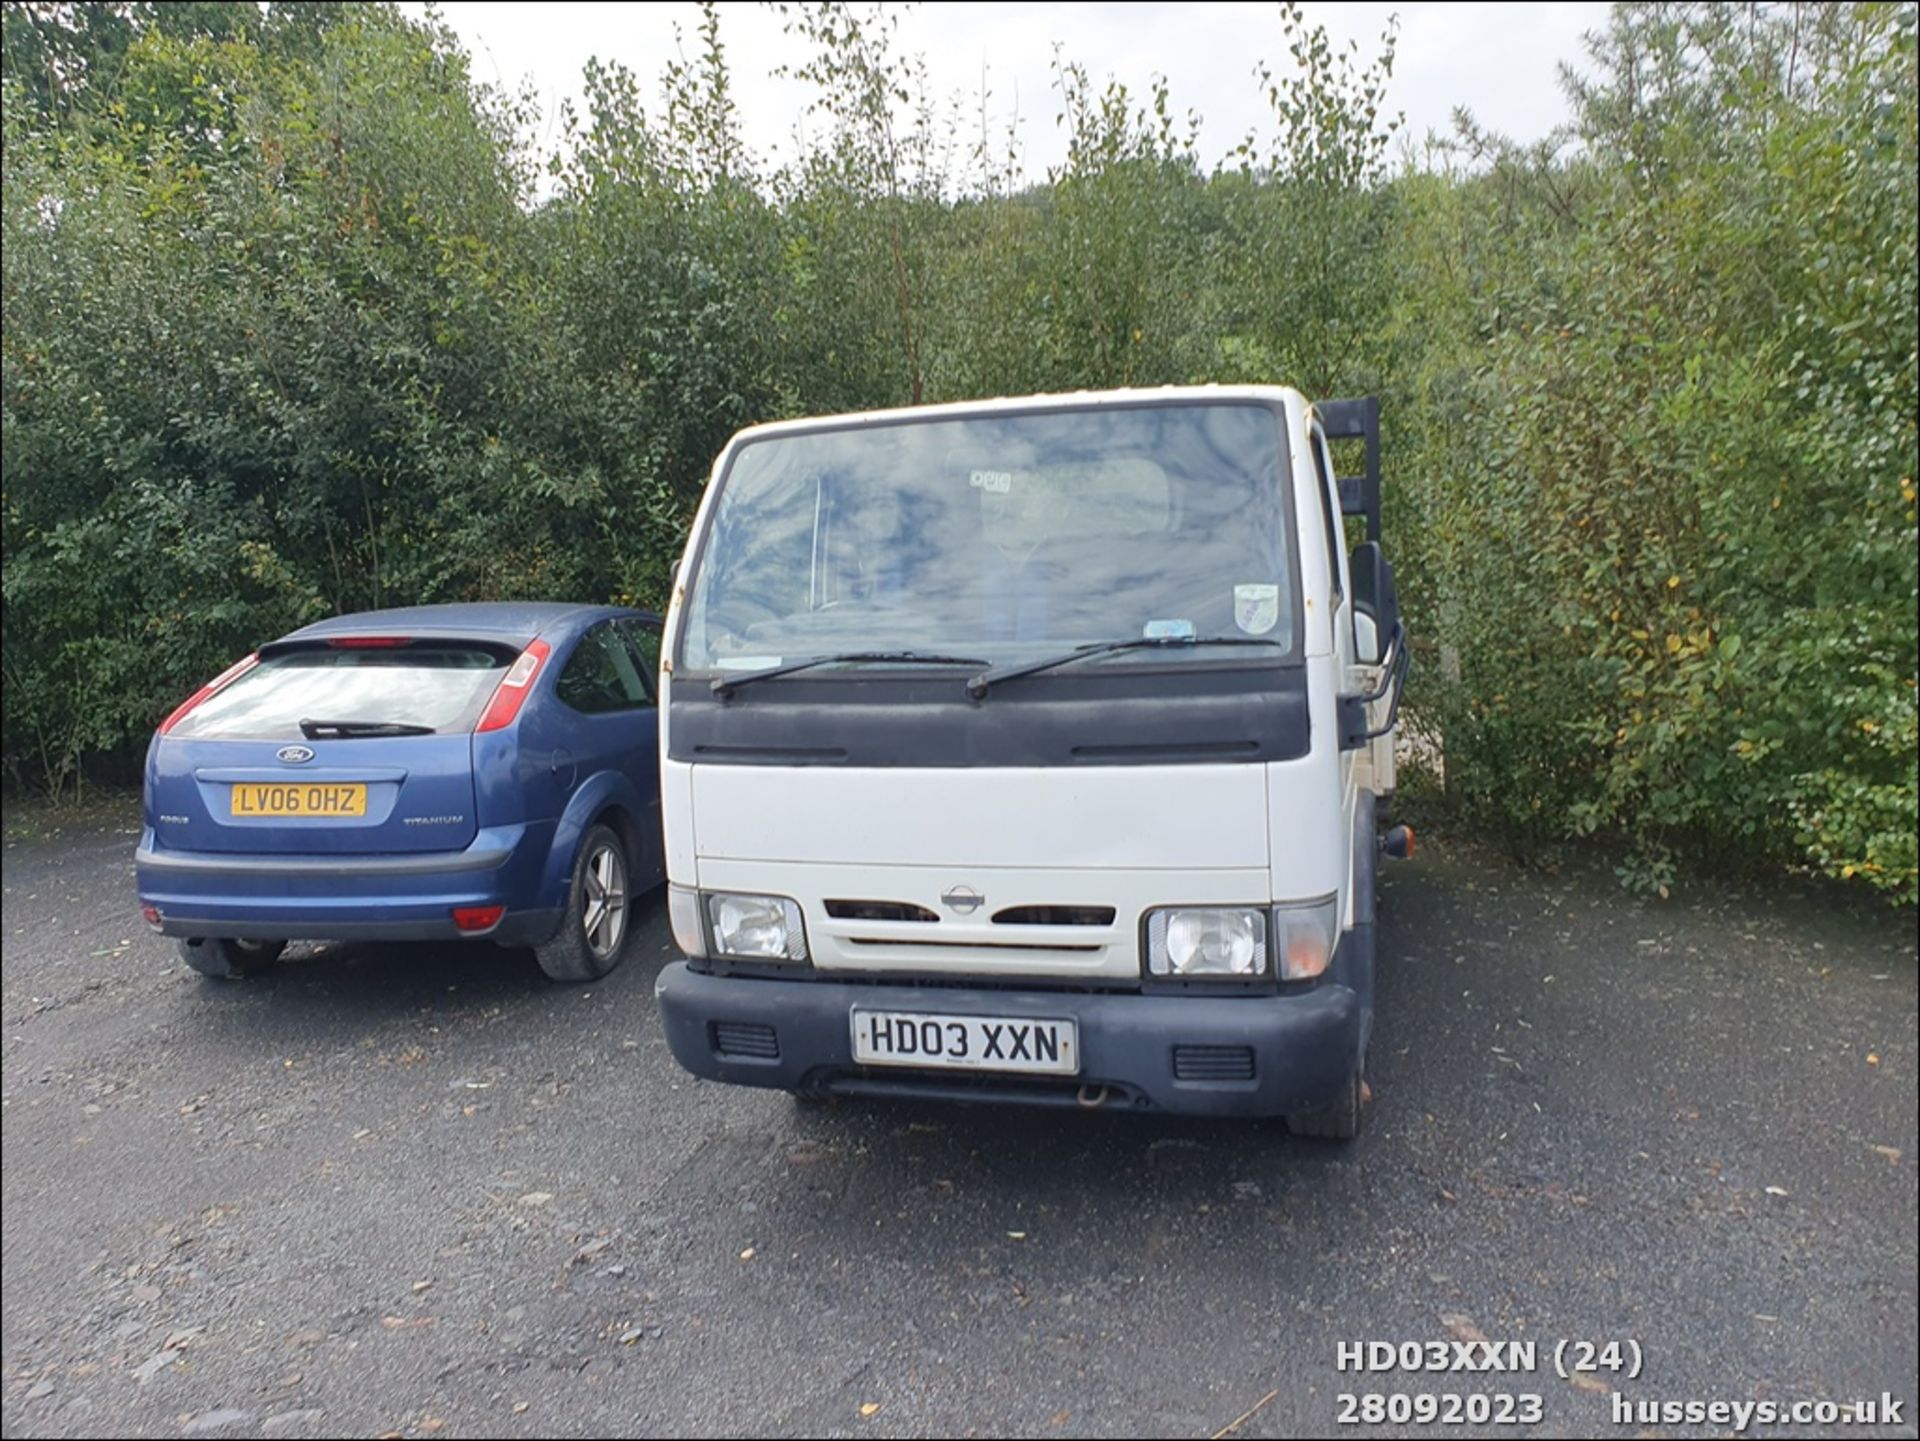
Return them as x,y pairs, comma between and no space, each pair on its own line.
297,321
1673,485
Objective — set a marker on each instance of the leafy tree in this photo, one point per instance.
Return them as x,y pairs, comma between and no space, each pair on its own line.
294,324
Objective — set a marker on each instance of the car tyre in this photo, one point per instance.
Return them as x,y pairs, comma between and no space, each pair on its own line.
593,934
225,959
1342,1117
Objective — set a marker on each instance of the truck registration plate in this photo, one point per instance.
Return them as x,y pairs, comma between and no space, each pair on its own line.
970,1043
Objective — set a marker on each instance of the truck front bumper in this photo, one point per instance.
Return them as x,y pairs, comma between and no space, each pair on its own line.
1259,1055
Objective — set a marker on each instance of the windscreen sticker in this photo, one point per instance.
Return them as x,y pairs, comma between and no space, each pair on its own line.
1168,630
999,482
1256,608
745,662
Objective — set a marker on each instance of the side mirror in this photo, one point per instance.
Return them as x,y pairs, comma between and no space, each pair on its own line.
1378,641
1375,604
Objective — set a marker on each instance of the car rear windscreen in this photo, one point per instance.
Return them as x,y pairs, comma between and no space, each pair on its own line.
440,686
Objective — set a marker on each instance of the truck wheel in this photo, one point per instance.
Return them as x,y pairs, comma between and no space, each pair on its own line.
1341,1118
230,960
593,934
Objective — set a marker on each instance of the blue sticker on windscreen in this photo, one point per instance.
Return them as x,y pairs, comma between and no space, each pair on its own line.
1168,630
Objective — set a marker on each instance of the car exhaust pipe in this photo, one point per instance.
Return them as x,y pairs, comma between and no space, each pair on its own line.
1096,1100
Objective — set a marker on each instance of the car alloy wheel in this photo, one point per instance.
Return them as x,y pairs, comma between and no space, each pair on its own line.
603,918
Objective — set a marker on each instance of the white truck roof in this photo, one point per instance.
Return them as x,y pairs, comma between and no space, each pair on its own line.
1269,394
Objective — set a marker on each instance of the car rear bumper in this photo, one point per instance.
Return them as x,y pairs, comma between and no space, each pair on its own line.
157,862
515,928
408,897
1201,1055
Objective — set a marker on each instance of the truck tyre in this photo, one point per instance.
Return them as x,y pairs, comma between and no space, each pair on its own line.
594,932
1341,1118
230,960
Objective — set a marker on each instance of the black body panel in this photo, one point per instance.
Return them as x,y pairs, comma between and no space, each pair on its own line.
1194,714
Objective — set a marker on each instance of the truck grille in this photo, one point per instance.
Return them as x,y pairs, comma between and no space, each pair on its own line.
919,944
1054,916
849,910
879,911
1065,937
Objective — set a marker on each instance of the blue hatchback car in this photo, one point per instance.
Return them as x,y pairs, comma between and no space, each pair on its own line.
441,772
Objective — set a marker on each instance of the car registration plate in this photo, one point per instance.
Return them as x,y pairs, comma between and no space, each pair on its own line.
967,1043
310,798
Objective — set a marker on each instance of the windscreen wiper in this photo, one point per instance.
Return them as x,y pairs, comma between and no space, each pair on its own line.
726,685
314,729
987,679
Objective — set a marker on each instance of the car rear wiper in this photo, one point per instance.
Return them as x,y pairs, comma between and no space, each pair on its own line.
314,729
726,685
987,679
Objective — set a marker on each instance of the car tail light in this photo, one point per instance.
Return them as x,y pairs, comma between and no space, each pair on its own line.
368,642
512,691
213,687
477,918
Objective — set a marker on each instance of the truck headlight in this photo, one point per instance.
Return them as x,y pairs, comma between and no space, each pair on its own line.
1304,935
1229,941
759,928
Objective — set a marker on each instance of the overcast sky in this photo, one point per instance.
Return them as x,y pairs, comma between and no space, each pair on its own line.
1500,60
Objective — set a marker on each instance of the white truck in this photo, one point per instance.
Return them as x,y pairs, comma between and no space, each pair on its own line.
1030,750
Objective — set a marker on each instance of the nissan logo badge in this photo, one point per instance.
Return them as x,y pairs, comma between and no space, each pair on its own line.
294,755
964,899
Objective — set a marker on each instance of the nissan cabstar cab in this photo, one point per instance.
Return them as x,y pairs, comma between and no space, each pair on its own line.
1031,750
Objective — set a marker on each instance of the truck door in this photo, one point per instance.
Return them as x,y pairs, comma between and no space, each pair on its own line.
1344,649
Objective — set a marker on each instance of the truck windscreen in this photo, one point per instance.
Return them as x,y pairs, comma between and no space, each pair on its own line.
1006,536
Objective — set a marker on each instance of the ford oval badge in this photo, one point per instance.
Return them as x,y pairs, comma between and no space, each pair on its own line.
294,755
